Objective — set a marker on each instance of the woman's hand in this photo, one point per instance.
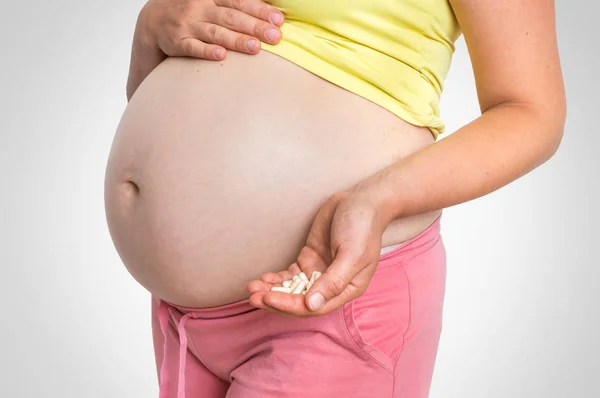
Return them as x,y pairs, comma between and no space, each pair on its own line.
344,244
201,29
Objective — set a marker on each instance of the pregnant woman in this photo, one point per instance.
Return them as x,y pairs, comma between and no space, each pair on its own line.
319,153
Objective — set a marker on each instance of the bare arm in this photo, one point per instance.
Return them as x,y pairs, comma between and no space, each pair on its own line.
512,44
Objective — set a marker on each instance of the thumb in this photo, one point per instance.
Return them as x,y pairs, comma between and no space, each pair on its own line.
335,281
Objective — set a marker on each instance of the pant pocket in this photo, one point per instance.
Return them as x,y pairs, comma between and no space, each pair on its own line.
378,320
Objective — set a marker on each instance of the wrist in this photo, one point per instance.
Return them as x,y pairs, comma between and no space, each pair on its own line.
145,53
377,191
142,36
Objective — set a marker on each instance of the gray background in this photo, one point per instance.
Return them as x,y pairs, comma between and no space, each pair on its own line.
520,316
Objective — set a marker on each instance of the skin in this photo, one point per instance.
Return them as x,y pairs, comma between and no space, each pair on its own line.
513,49
514,53
203,29
195,174
201,154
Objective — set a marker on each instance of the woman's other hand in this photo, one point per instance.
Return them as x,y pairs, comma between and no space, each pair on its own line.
201,29
344,243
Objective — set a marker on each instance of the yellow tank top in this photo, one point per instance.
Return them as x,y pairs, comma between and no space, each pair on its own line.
395,53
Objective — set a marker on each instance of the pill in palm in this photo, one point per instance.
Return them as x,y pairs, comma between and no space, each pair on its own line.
299,284
309,285
281,289
299,288
304,277
294,284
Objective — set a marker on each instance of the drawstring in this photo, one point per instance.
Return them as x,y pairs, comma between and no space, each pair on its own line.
182,354
163,317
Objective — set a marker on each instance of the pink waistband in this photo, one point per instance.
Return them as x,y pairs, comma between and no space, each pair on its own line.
415,245
221,311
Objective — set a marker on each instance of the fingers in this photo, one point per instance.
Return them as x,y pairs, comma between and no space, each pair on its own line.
258,300
338,285
291,304
238,21
225,38
256,8
269,279
260,290
207,29
259,286
292,270
281,303
286,303
278,302
309,261
332,290
319,236
195,48
335,283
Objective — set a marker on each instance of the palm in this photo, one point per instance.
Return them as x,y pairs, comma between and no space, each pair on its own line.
342,229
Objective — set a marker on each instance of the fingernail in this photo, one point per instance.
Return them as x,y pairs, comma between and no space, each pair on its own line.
276,18
219,53
316,301
251,45
272,34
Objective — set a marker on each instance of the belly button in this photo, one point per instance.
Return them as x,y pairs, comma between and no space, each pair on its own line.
129,190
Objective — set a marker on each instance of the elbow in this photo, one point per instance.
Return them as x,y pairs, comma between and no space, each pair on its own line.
555,139
549,118
554,121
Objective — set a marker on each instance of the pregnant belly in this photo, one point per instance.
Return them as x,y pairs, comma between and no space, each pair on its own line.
218,169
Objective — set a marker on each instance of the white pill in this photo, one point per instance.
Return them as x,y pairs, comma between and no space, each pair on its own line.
287,284
318,275
308,286
313,277
299,287
303,277
280,289
295,283
296,277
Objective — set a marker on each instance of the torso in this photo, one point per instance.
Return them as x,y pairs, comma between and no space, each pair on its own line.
217,170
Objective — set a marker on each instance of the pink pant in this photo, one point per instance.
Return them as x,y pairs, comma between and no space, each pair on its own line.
383,344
